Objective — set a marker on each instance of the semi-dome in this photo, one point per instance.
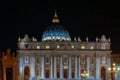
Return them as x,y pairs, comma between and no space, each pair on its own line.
56,32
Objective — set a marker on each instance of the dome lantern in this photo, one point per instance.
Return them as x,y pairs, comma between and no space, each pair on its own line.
55,18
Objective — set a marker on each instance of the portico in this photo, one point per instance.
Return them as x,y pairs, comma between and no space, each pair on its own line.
57,56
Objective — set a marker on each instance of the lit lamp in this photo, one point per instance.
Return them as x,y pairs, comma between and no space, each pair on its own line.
84,75
113,70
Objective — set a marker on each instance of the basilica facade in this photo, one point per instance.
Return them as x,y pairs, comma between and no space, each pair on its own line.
58,57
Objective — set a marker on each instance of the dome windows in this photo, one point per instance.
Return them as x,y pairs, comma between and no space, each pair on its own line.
56,33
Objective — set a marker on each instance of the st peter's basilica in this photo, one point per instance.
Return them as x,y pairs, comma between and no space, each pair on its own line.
58,57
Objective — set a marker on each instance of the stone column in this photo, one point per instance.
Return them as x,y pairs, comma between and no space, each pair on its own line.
79,68
88,65
97,67
32,66
76,67
23,72
51,71
70,70
21,68
43,65
119,73
108,66
61,67
55,69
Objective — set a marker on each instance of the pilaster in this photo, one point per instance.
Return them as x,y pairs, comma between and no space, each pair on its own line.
76,67
55,69
51,71
43,65
70,67
61,67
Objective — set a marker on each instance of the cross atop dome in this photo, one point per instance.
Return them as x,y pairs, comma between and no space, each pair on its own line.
55,18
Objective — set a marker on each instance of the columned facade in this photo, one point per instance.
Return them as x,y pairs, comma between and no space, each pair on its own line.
56,56
65,69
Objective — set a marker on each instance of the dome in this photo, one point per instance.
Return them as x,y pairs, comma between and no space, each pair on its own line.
56,32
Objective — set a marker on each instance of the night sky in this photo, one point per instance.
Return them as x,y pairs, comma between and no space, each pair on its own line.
84,18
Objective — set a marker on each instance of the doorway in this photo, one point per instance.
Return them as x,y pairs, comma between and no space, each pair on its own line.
26,73
103,73
9,74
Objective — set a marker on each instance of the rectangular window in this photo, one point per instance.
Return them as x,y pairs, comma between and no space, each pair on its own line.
26,59
103,60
